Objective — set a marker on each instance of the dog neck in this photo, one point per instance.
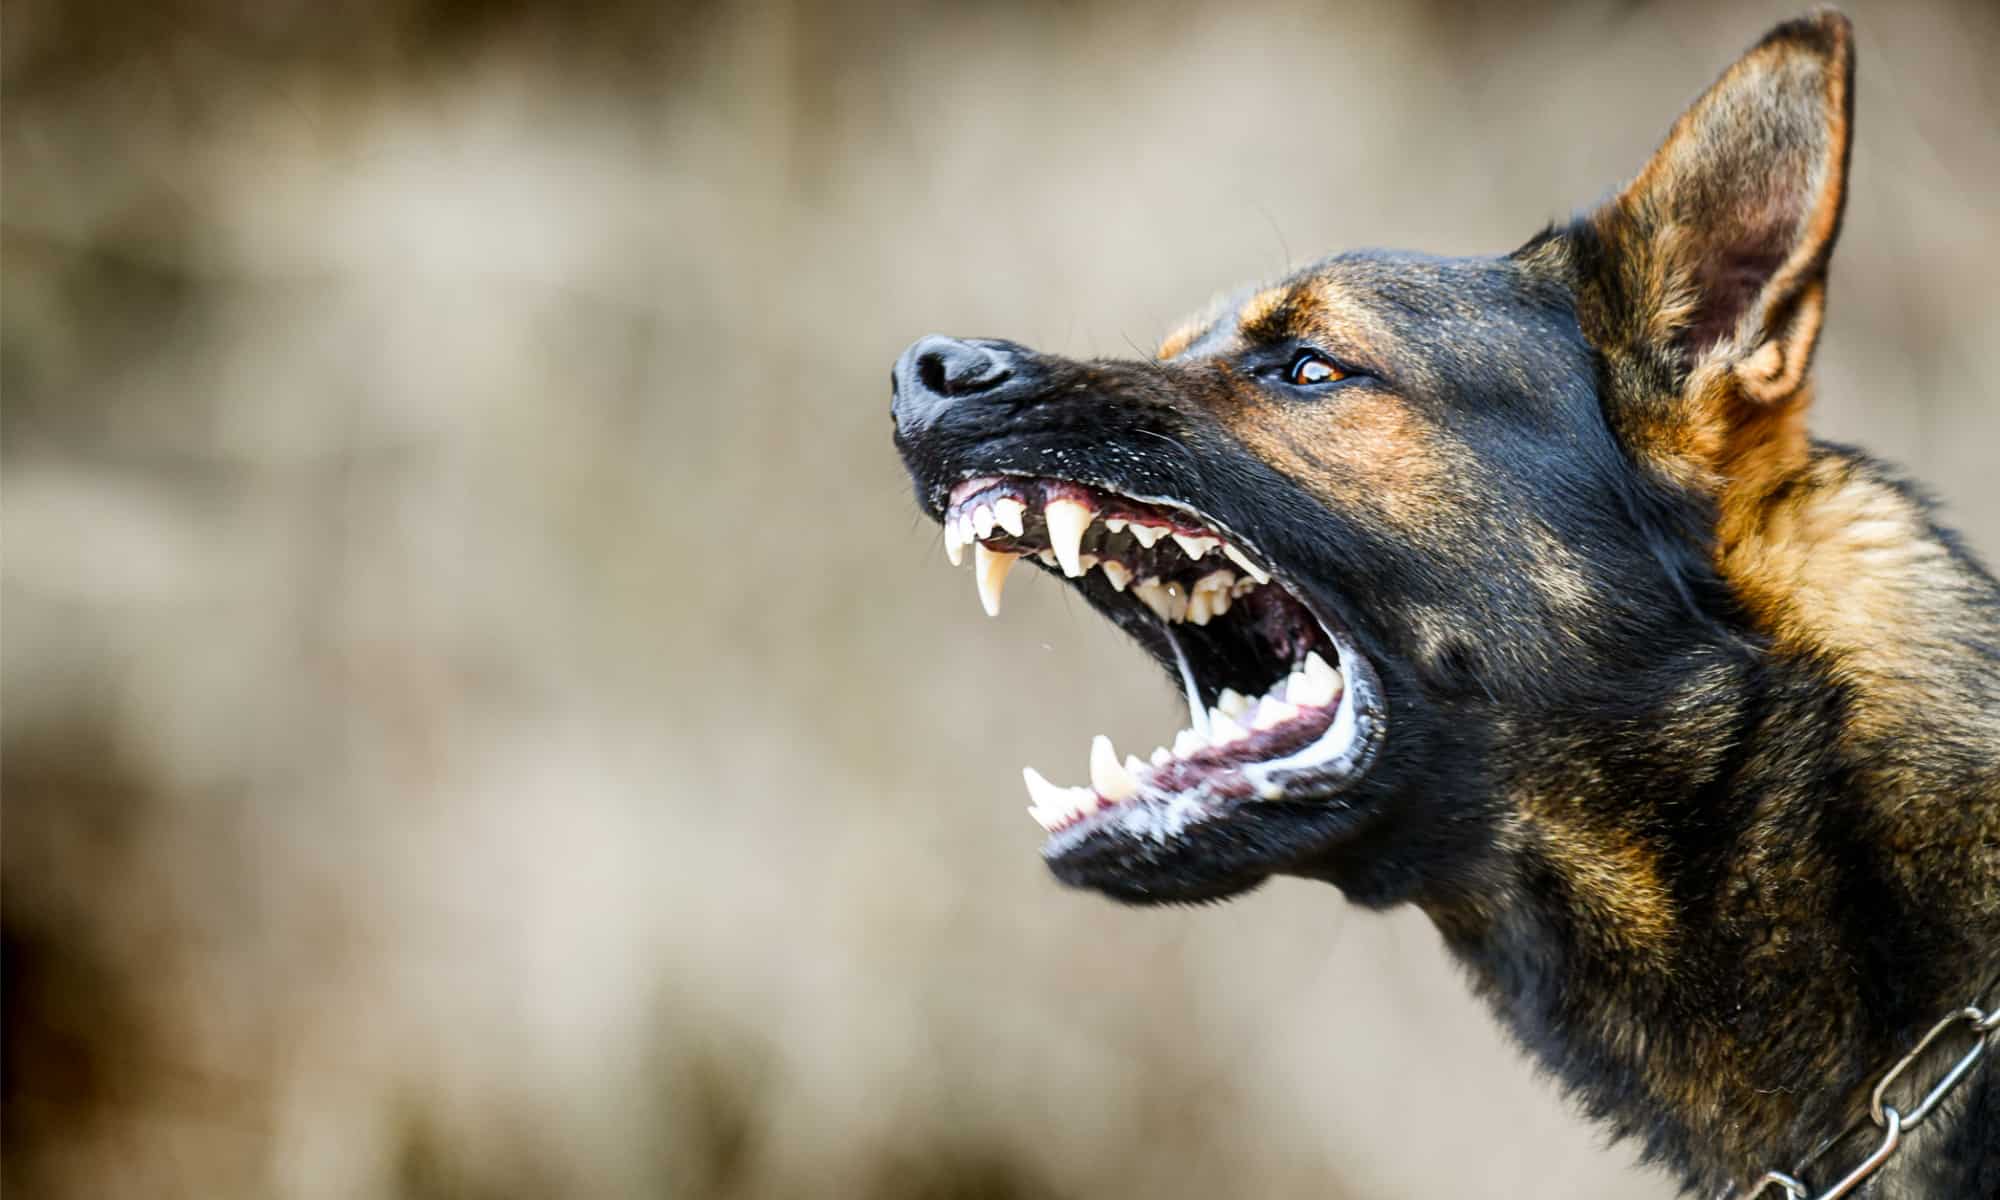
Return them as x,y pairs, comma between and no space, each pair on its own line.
1760,897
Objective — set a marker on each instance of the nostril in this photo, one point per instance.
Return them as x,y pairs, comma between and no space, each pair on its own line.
931,373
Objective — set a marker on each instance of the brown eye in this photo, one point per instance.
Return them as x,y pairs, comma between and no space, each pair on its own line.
1312,367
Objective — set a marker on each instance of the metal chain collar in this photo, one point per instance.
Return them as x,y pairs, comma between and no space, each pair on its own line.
1979,1023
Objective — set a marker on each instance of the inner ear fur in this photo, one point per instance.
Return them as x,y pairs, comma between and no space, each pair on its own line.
1711,264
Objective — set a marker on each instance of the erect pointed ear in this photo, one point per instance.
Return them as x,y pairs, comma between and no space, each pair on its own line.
1707,274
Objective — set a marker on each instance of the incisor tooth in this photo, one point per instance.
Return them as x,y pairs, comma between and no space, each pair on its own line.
1112,779
954,546
989,568
1115,524
1116,573
1011,514
1233,702
1148,534
982,521
1242,560
1194,544
1068,520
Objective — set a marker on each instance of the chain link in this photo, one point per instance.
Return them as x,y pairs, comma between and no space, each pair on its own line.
1981,1024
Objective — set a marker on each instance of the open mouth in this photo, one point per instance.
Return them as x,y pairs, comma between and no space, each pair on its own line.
1281,707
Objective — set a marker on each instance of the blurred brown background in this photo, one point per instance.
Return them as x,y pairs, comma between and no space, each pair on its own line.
482,716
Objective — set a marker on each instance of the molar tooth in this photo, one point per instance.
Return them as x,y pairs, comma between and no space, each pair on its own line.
1198,609
982,521
1233,702
1116,573
1161,756
1011,514
1297,688
989,568
1153,594
1113,780
1243,560
1219,602
1216,581
1187,742
1223,729
1315,685
1271,713
1195,544
1068,521
1148,534
1133,766
1177,601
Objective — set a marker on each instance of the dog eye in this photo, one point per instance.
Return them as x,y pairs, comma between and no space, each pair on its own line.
1312,367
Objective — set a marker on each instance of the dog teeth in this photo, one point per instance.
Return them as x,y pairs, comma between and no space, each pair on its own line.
1195,545
1116,524
1068,521
983,521
1116,573
1146,535
1161,756
1153,594
1272,713
954,545
1233,702
1187,742
1223,728
989,570
1315,685
1113,780
1249,568
1198,610
1053,807
1011,515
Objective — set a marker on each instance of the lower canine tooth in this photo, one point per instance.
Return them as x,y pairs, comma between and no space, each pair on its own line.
1010,513
1068,521
989,568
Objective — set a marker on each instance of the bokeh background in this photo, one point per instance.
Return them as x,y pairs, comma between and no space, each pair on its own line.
482,716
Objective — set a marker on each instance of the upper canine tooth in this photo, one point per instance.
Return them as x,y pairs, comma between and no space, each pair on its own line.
1195,544
1116,573
1242,560
954,546
1148,534
1068,520
989,568
982,520
1010,513
1112,779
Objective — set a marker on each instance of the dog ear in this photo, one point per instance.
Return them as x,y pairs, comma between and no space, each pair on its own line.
1705,278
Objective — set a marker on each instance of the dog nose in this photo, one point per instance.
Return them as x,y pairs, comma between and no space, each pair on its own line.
937,371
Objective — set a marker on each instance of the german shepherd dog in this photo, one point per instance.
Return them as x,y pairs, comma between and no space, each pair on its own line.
1514,588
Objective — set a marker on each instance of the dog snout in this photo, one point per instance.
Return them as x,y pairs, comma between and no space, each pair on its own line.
937,372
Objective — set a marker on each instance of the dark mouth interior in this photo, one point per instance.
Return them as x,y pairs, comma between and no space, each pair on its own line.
1262,672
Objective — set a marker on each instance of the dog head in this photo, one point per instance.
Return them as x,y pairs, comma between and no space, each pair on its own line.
1406,528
